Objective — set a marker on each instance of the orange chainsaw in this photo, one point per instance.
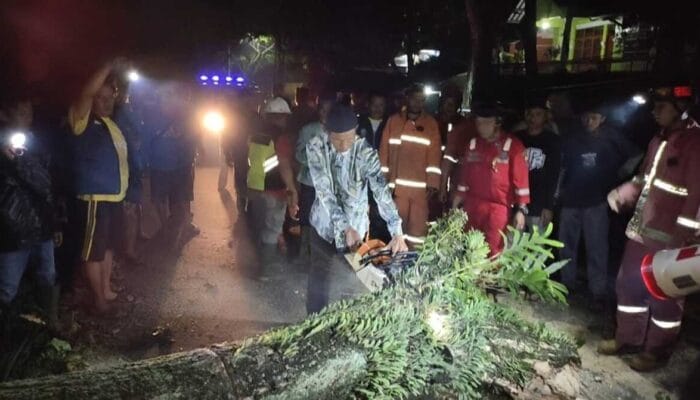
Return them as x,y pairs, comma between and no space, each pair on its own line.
375,266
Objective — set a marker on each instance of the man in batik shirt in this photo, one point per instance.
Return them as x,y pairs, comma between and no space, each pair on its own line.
342,167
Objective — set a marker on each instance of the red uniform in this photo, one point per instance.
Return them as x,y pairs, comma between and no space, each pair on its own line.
494,177
666,196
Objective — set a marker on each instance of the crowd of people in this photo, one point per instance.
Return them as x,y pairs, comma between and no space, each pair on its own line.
333,171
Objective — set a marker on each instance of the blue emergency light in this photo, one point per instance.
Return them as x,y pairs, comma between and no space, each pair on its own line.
203,78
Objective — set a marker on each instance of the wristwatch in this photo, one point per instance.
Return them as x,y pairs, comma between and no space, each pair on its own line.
523,209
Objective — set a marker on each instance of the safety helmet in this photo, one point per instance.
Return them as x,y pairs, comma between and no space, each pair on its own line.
679,96
277,105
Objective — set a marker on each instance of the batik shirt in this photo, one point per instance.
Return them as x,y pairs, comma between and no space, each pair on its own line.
341,182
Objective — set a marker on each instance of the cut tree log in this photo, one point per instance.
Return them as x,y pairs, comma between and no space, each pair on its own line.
433,335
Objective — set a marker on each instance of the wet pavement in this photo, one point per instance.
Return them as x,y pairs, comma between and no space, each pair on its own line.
222,287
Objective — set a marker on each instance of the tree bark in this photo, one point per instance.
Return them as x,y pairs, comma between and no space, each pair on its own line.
530,38
564,60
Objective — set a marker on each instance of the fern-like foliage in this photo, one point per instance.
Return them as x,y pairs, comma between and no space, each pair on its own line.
435,330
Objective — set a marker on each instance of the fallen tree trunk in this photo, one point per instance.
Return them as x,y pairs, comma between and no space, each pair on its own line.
434,334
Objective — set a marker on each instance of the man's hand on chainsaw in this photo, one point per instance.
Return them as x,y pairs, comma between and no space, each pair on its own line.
352,239
397,245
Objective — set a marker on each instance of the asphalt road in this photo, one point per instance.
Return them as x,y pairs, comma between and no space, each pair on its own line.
222,287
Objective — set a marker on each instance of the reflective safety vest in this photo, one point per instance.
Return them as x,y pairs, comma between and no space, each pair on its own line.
263,171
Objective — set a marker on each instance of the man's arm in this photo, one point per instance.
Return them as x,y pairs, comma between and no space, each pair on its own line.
283,150
434,170
323,183
520,177
688,222
80,108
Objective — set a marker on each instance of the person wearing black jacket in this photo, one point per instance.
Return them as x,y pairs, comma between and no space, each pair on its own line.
544,160
591,161
27,217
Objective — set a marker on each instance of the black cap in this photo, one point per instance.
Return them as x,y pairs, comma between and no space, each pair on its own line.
341,118
487,109
536,102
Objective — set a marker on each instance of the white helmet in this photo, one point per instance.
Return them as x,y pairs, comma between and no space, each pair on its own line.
277,105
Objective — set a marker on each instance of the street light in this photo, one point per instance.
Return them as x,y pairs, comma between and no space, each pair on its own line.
545,25
214,122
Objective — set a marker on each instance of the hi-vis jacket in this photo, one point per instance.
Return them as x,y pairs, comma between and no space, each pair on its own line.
495,172
410,154
666,191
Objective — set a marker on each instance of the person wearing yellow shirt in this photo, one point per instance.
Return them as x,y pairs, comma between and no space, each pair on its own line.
101,177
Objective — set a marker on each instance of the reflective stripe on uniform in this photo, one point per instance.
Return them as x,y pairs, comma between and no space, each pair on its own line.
392,185
450,159
522,192
385,169
688,223
442,148
472,144
270,164
409,183
394,141
433,170
508,143
670,188
632,309
414,239
461,188
666,324
415,139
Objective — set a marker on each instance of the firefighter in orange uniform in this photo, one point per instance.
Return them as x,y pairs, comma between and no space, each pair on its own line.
410,157
493,184
665,196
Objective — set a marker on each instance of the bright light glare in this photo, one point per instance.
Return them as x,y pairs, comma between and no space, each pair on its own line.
229,79
240,79
18,140
214,122
545,25
133,76
639,99
429,90
215,78
203,78
438,323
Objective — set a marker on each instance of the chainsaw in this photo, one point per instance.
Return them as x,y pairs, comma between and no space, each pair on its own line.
376,267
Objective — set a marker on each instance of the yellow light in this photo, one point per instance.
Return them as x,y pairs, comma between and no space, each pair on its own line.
214,122
545,25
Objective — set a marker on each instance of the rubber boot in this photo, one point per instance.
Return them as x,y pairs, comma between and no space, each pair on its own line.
48,299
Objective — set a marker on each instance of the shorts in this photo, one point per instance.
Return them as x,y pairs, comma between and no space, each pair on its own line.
176,186
101,228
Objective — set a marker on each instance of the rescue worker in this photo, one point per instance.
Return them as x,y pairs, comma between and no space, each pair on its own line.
342,167
493,185
457,139
410,158
270,177
666,197
448,118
